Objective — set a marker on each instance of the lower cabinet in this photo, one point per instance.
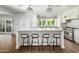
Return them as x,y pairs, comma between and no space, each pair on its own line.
7,42
76,35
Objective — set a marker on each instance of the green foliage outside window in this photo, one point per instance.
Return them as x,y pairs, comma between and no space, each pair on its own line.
46,22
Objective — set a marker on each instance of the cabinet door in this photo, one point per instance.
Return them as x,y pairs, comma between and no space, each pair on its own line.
2,25
8,25
76,35
76,12
71,13
5,24
5,42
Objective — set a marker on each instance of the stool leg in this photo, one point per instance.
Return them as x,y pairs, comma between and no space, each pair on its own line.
50,45
31,44
28,44
42,44
50,48
28,48
56,42
38,44
23,41
47,43
53,45
60,45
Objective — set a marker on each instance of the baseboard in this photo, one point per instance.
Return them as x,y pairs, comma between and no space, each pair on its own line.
69,39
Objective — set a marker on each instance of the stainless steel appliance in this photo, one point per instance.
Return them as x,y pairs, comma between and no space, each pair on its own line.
69,33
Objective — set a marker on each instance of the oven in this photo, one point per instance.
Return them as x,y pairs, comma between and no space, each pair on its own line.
68,33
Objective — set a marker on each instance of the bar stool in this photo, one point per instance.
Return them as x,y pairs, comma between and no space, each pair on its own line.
36,38
45,37
56,38
26,40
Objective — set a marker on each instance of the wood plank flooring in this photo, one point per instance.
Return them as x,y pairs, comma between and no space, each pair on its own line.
70,47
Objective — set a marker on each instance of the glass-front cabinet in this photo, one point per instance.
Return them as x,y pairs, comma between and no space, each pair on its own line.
2,25
8,25
5,24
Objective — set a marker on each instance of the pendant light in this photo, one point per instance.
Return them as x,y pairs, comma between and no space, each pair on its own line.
29,10
49,11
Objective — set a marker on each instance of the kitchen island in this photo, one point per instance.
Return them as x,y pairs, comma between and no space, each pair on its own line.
39,31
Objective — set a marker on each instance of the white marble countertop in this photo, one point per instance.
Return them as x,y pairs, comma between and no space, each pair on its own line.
42,29
6,33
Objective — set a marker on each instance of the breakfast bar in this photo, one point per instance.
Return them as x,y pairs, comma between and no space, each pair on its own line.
40,32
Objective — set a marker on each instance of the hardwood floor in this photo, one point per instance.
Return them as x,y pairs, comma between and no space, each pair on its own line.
70,47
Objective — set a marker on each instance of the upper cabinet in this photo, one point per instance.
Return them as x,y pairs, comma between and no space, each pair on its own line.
76,12
71,13
6,23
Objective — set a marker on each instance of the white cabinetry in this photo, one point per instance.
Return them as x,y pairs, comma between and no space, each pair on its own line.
76,12
76,35
71,13
5,23
5,42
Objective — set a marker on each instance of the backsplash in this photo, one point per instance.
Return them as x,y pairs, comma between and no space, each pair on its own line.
73,23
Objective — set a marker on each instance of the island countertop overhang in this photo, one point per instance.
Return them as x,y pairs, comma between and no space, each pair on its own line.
42,29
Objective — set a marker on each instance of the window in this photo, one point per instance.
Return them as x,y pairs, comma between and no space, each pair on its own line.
47,22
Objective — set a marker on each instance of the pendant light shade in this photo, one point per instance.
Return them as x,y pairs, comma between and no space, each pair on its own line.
29,10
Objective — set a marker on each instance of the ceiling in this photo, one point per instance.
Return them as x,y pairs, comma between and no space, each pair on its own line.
38,9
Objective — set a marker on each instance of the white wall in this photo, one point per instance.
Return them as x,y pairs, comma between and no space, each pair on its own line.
59,20
21,22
